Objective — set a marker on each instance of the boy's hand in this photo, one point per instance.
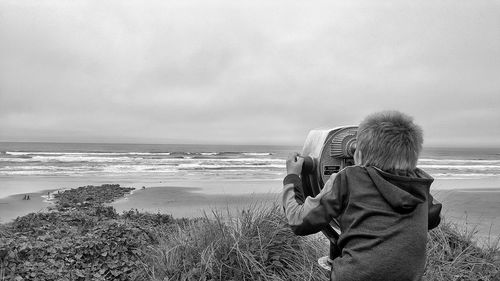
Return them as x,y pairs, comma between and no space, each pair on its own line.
294,164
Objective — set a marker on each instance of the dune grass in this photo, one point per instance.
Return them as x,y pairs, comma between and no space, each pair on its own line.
453,254
255,244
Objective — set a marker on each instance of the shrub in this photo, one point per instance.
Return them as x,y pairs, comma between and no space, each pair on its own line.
110,250
87,197
148,218
81,242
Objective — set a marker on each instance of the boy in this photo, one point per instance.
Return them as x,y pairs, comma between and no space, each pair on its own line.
382,203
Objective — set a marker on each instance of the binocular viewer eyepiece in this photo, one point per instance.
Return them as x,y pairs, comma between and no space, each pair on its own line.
326,152
341,147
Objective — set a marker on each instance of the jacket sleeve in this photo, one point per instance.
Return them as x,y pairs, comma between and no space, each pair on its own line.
434,217
312,214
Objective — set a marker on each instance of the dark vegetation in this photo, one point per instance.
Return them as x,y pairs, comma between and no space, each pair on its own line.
83,239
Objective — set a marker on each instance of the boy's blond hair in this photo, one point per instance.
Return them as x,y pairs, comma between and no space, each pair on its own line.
389,140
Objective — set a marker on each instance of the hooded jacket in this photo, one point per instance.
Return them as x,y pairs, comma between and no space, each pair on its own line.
383,217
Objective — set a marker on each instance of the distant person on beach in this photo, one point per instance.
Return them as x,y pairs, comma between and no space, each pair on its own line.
382,203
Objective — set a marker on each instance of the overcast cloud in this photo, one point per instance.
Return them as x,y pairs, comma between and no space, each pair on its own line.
250,72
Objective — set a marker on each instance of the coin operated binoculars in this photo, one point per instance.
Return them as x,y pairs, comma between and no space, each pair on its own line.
325,153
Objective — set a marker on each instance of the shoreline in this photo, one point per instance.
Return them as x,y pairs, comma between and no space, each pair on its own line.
177,201
14,206
11,185
188,202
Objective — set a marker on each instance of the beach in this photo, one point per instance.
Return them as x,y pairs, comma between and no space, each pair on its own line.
15,206
476,211
177,201
472,210
187,202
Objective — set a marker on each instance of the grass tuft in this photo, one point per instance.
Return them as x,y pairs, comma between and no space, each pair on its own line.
256,244
452,254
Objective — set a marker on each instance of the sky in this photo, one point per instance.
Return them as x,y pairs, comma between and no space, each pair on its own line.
246,72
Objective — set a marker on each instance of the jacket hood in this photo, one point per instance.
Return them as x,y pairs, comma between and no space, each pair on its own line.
403,193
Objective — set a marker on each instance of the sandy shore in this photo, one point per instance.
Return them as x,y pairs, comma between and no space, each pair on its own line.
189,202
14,206
177,201
475,210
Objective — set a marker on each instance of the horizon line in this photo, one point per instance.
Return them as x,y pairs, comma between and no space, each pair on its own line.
235,144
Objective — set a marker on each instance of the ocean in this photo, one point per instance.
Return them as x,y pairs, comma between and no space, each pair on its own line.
30,167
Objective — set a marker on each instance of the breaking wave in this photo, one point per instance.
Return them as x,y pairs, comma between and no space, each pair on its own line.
118,163
249,164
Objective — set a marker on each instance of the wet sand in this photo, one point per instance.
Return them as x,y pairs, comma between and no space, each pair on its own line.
473,210
14,206
177,201
189,202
